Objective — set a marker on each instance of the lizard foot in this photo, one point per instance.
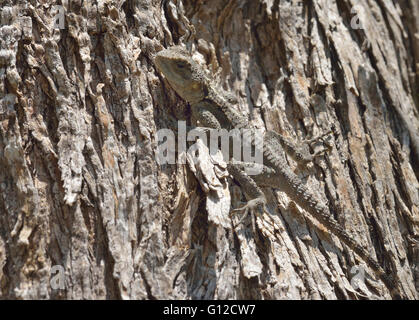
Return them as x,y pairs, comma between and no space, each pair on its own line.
257,205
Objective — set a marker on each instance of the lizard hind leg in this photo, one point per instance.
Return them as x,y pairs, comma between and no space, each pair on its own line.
316,139
257,203
253,207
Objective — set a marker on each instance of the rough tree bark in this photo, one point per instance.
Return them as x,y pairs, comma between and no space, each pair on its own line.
81,188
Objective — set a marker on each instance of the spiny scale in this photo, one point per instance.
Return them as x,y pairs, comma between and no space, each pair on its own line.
190,82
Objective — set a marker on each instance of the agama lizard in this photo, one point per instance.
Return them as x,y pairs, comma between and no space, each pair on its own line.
214,108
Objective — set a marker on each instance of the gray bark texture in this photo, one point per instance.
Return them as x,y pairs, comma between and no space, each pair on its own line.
83,197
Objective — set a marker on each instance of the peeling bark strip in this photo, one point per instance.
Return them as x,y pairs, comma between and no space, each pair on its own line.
81,191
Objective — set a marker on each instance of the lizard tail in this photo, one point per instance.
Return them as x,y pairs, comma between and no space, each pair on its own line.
299,193
303,197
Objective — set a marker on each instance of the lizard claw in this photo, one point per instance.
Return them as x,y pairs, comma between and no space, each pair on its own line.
251,206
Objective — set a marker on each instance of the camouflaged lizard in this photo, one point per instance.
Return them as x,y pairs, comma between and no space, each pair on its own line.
214,108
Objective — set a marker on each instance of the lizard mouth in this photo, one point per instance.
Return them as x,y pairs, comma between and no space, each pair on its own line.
159,61
165,66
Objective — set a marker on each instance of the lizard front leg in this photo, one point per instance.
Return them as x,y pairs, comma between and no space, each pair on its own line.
204,117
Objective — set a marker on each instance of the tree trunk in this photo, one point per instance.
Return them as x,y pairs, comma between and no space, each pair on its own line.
86,211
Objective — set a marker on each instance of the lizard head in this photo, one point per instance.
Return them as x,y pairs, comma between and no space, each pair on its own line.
184,75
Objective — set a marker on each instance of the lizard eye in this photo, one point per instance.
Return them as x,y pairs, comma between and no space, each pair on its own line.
180,65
